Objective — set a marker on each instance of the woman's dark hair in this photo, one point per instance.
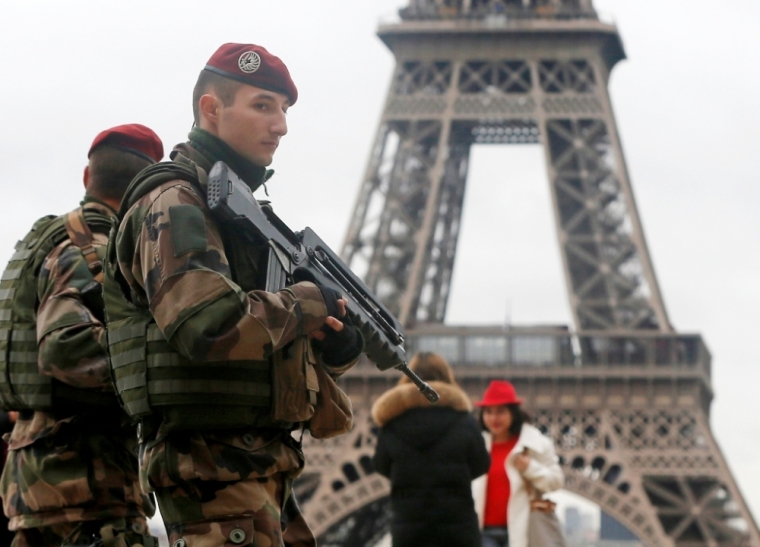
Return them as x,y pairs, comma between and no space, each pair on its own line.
519,417
430,367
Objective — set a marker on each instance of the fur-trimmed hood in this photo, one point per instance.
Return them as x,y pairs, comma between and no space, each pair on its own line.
395,402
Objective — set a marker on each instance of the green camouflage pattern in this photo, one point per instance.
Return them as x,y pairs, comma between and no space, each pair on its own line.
197,282
22,386
66,466
118,533
223,354
70,470
209,485
70,320
203,314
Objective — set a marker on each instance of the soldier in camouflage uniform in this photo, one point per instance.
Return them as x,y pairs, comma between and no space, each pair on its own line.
220,373
71,474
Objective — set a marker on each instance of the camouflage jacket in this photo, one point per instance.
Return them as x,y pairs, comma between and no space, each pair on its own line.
172,255
64,468
171,252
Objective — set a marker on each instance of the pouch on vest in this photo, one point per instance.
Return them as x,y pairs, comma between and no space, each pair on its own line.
333,413
294,382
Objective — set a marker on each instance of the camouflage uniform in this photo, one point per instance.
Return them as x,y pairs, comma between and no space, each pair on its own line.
214,486
73,474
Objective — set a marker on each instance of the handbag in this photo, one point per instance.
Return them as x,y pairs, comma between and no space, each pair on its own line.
544,528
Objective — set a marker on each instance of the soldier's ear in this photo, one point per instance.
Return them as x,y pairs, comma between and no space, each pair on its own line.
209,110
86,177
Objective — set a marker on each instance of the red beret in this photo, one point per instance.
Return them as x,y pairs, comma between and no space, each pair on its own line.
134,138
253,65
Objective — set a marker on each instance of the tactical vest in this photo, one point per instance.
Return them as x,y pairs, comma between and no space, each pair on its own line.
22,387
153,379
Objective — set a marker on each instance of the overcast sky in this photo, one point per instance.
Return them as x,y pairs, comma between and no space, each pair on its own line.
687,108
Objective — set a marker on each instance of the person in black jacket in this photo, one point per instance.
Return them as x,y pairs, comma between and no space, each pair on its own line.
431,454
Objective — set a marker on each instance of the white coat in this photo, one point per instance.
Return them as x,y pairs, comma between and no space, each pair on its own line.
543,473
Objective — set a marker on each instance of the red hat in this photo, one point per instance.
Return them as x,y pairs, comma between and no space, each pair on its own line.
253,65
134,138
498,393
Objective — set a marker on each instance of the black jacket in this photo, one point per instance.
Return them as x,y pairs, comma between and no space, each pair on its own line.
431,454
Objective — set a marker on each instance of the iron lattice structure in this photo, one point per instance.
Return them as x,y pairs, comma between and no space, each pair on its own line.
625,398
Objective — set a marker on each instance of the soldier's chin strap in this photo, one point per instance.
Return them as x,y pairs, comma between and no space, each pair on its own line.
429,393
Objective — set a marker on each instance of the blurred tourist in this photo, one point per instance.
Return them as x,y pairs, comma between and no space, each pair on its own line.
431,453
524,466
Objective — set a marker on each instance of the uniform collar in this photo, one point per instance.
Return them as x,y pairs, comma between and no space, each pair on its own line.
90,203
213,149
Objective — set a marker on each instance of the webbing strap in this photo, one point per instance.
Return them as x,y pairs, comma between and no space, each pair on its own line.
29,379
131,382
81,236
128,357
23,356
27,335
126,333
21,255
154,334
129,332
166,387
162,359
158,360
9,275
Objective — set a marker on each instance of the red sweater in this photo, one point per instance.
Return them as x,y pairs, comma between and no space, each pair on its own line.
497,484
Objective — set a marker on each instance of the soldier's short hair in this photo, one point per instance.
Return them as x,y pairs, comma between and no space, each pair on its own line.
111,171
224,88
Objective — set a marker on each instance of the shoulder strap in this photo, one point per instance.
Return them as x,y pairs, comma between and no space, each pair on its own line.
81,236
155,175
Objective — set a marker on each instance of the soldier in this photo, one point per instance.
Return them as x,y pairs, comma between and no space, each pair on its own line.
219,373
71,473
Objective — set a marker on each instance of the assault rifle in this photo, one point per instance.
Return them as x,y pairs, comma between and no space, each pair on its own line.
303,256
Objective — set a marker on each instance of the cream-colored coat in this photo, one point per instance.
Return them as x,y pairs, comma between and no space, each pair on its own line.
543,473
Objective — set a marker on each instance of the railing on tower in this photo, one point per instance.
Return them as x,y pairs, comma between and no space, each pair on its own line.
498,348
477,9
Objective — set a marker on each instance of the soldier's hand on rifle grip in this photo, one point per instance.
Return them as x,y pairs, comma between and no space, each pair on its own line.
339,341
336,308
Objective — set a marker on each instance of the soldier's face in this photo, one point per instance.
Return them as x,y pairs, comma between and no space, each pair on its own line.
498,420
254,123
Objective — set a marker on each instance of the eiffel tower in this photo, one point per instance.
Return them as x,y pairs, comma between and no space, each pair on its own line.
624,396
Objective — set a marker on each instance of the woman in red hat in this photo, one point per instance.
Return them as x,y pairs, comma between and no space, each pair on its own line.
523,467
